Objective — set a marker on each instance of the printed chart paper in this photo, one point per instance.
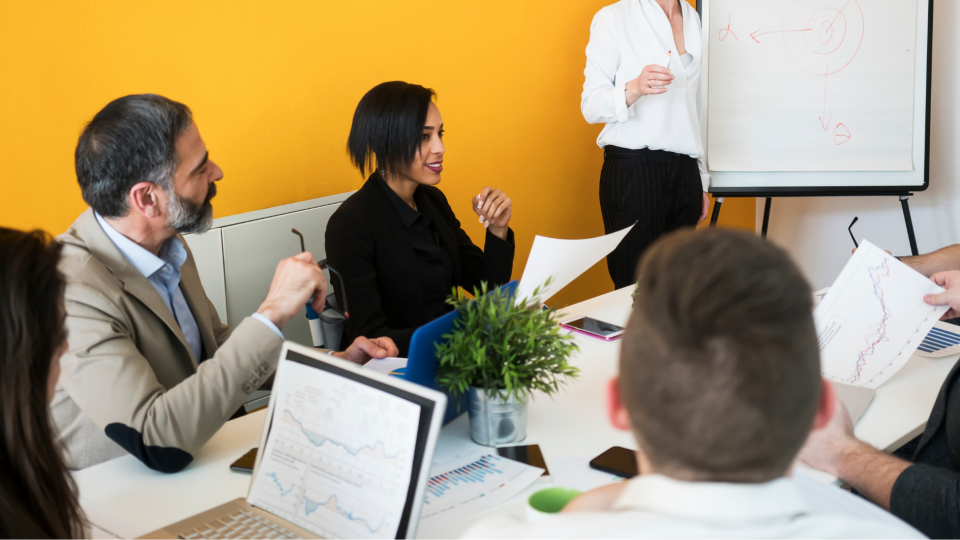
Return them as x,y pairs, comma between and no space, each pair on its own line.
873,318
811,85
943,340
469,481
339,457
564,261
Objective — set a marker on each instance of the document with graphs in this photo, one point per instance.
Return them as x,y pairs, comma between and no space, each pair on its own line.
873,318
339,457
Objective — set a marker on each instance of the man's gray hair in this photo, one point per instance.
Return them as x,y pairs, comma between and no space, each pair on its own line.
133,139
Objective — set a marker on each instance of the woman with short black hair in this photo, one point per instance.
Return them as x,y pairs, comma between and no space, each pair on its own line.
396,241
38,498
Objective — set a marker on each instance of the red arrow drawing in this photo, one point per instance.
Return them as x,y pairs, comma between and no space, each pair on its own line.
754,34
841,134
827,124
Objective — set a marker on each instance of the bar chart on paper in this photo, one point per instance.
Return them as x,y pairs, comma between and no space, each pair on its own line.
873,318
339,457
468,482
943,340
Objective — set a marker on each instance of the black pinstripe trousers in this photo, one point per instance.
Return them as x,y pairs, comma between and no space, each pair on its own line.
659,190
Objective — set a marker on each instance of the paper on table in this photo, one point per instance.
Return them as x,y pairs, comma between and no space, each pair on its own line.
465,483
873,318
564,261
943,340
386,365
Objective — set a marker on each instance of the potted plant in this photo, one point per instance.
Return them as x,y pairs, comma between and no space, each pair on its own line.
498,353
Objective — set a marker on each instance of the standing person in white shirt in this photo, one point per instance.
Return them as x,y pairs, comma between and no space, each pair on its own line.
653,171
720,387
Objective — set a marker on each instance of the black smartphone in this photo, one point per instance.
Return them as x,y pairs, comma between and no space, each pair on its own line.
245,464
526,453
616,460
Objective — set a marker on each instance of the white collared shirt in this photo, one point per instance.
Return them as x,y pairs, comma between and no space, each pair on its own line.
624,38
655,506
163,272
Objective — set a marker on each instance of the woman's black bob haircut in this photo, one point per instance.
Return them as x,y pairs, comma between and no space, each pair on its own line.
387,126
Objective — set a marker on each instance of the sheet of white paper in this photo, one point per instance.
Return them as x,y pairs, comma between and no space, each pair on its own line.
811,85
873,318
943,340
386,365
465,483
564,261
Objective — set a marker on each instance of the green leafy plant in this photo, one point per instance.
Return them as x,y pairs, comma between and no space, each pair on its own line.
504,347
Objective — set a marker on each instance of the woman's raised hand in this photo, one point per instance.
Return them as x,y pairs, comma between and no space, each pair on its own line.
494,208
652,80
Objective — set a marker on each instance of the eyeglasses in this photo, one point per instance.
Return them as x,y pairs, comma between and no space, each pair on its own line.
850,230
337,281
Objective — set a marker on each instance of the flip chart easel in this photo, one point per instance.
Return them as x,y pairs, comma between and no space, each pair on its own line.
794,107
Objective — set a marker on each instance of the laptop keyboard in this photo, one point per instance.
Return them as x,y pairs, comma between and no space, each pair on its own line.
240,524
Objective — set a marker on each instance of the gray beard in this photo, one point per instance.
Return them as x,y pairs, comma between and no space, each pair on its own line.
187,217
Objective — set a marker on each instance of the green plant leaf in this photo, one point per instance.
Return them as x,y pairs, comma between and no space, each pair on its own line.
500,345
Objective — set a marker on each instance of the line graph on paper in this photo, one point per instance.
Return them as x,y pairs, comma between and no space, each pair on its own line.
339,457
878,333
873,318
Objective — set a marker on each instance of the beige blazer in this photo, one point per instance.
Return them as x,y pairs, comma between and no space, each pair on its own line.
129,382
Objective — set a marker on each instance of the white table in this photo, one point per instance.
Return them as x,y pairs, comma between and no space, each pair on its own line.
129,499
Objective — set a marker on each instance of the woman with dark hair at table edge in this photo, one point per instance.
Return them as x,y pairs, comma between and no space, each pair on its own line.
397,242
38,498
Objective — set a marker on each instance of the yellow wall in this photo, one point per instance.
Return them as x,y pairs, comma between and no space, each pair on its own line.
273,87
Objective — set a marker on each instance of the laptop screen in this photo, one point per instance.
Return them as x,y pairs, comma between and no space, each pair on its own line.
343,452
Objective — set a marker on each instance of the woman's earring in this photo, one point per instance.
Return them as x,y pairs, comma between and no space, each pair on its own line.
383,173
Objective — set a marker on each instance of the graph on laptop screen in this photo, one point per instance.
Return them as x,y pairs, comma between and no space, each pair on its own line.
339,455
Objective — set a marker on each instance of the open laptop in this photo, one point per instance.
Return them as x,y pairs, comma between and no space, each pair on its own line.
348,455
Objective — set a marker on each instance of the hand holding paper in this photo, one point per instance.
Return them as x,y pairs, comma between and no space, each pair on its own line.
873,318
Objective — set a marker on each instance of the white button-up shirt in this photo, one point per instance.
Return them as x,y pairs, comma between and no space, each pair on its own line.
655,506
163,272
624,38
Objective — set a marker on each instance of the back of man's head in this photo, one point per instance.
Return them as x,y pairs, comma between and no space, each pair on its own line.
720,368
131,140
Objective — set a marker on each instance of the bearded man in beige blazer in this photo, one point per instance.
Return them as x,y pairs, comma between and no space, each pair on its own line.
151,370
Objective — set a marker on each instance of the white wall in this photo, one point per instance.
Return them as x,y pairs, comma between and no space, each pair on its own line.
814,230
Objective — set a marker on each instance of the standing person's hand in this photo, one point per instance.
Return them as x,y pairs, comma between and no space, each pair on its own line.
295,281
652,80
494,209
950,281
705,209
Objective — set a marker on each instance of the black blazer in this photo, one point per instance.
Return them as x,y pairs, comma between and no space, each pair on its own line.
367,243
927,494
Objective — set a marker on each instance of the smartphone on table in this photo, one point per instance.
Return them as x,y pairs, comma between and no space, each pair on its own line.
529,454
593,327
246,463
616,460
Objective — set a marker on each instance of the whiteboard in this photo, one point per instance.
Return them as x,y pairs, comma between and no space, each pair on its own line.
808,97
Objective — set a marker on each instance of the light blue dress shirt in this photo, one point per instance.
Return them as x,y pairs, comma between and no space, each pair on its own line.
163,272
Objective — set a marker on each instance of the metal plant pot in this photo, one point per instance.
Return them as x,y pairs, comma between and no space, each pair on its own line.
494,420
